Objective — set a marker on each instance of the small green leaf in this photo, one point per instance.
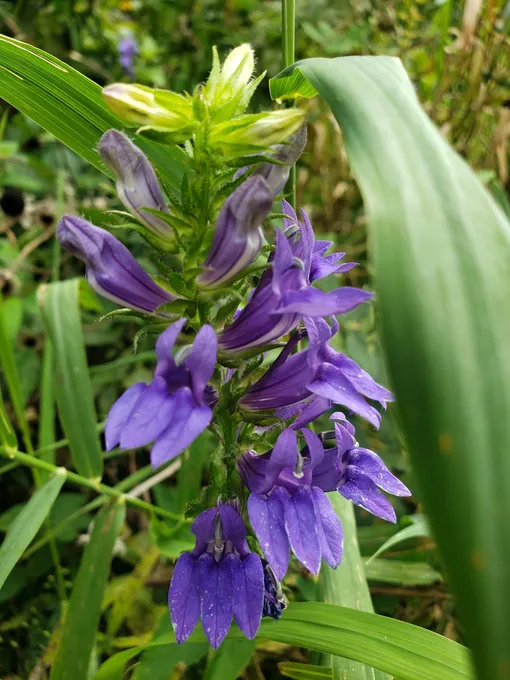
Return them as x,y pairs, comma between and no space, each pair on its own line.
401,573
418,529
82,618
229,660
60,307
27,523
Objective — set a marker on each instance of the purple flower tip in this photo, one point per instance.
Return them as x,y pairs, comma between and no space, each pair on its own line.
111,270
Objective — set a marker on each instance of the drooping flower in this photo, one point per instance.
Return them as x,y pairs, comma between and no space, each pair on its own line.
286,509
219,579
127,49
137,184
285,295
111,270
308,382
357,473
177,405
238,234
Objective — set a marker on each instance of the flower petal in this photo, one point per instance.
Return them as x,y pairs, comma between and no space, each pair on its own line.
248,577
216,589
329,528
315,448
332,384
268,521
301,527
284,455
362,381
310,411
233,528
188,421
149,416
120,412
313,302
372,466
165,345
184,596
252,469
362,491
202,360
203,525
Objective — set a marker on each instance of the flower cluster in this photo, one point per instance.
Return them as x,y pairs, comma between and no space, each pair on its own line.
230,285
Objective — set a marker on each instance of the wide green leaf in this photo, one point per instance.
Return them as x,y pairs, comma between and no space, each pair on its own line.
70,106
401,649
441,253
60,307
229,661
26,525
82,618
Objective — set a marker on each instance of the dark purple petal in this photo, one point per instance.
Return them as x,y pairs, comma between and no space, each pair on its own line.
202,360
216,589
332,384
111,270
329,529
362,491
248,576
284,455
268,521
164,347
361,380
187,422
120,413
372,466
301,527
315,448
233,528
340,417
137,184
314,302
291,218
344,439
252,469
203,526
276,176
282,261
310,411
327,474
184,597
237,237
149,416
324,266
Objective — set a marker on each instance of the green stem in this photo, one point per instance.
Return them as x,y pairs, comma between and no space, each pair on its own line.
74,478
288,58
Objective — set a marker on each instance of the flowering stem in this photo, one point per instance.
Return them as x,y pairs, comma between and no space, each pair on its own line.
74,478
288,58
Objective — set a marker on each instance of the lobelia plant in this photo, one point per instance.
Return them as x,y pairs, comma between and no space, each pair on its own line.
232,286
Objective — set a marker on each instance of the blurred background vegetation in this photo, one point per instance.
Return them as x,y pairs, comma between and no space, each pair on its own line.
458,58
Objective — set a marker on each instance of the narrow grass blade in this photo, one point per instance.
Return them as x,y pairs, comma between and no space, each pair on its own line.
304,671
7,433
347,586
82,618
26,525
419,529
60,307
229,661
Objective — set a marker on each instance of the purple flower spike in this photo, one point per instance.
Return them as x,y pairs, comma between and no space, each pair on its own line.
287,154
307,383
219,579
111,270
238,234
127,49
176,407
137,184
284,295
287,511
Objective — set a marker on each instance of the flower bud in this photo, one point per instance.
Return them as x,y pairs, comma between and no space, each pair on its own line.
228,89
255,131
142,105
137,184
111,270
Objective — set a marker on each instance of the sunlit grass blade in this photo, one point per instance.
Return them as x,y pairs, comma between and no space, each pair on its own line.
70,106
60,306
26,525
81,622
405,651
440,248
347,586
